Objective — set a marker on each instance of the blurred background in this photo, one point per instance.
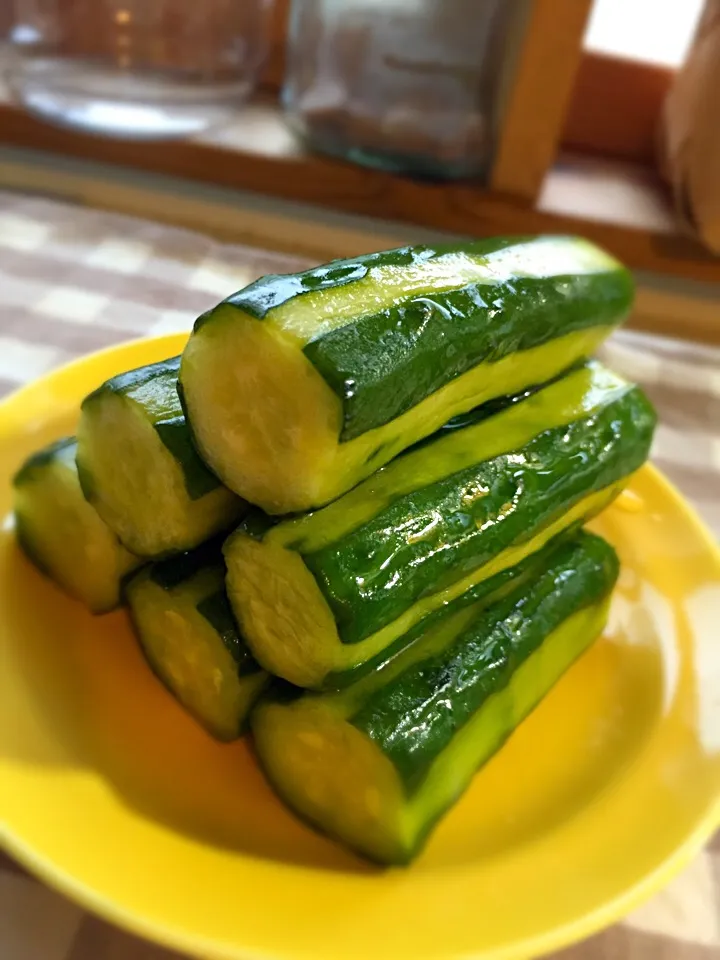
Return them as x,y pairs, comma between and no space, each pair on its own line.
466,116
156,155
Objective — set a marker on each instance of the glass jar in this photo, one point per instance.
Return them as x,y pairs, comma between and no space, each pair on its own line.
405,85
136,68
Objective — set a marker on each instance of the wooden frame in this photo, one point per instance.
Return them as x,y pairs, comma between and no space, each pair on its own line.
614,108
272,76
549,42
588,102
597,104
534,111
534,187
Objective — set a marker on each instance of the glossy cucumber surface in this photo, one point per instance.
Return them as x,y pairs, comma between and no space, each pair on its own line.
63,534
429,538
330,590
448,309
485,592
357,360
437,696
139,468
378,763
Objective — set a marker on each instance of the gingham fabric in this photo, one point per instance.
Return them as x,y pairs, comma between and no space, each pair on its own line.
74,280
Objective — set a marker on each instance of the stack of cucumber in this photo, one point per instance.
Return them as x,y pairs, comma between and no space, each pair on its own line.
352,511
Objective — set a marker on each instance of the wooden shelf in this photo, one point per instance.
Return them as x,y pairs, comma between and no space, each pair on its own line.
619,206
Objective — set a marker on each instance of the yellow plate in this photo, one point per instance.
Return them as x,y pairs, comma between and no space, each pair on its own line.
114,796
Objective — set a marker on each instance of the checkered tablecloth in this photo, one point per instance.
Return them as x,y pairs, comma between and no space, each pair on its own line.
74,280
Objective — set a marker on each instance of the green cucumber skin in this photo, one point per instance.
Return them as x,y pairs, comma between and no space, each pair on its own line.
437,696
27,546
459,330
433,536
64,453
439,693
63,449
176,436
166,414
274,290
256,523
140,376
382,364
217,611
174,570
487,591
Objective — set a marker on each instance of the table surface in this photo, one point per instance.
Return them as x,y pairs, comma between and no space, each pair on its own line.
74,280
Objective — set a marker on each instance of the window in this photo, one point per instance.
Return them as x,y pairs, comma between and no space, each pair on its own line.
632,48
651,31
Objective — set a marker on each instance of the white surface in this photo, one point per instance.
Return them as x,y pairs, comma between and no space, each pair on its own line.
656,31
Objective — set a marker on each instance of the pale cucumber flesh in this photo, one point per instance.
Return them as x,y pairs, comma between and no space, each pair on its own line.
335,777
189,654
64,535
138,486
287,456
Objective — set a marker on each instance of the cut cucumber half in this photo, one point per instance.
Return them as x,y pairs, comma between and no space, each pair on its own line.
300,386
377,764
188,634
63,534
328,591
140,470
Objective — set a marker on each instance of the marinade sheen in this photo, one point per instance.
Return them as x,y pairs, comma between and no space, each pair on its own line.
378,763
328,591
300,386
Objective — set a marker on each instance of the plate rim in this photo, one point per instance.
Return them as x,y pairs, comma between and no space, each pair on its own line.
58,877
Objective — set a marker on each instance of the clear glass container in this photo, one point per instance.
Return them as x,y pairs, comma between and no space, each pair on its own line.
405,85
136,68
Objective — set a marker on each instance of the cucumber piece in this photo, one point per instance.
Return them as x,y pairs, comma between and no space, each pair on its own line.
345,366
140,470
62,534
327,591
188,634
488,591
376,765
